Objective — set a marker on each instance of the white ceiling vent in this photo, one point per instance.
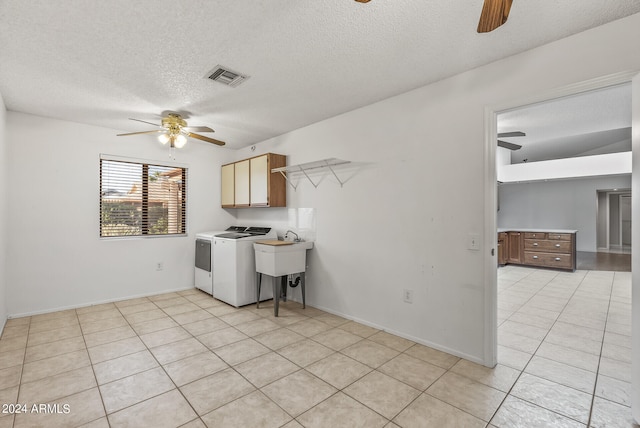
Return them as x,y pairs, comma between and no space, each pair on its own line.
227,77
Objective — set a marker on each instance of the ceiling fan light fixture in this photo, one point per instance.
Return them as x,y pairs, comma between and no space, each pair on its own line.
163,138
179,141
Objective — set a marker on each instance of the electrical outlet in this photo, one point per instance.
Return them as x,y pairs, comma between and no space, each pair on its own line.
407,296
159,265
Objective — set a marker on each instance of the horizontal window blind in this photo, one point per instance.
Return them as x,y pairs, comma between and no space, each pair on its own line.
141,199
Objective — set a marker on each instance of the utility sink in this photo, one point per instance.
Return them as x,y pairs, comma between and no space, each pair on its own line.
278,258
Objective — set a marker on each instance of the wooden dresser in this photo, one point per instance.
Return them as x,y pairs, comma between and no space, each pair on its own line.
533,247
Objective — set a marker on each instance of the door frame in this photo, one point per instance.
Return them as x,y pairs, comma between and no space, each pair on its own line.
491,191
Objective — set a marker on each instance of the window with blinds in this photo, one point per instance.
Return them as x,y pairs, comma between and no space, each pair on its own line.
140,199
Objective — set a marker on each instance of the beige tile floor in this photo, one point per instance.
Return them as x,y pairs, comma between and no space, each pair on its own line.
185,359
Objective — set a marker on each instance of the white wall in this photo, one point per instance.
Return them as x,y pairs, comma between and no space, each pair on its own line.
402,219
4,176
55,258
557,204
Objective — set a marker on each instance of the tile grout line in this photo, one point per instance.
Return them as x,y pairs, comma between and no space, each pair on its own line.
94,371
229,366
24,356
115,380
159,366
604,331
534,353
199,417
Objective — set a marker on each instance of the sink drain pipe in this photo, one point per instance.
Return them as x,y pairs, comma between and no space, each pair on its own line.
293,284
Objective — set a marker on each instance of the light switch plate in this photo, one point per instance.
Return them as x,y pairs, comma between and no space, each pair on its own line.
473,241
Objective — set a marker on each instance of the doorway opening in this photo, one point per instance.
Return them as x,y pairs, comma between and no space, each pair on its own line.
614,221
552,156
532,163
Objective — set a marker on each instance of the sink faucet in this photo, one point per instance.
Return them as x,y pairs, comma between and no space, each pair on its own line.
297,239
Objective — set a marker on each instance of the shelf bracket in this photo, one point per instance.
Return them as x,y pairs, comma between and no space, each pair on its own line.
333,172
295,187
308,178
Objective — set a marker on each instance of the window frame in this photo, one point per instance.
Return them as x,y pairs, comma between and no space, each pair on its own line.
145,226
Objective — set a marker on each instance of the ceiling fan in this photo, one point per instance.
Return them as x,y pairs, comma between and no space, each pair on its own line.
174,130
494,14
506,144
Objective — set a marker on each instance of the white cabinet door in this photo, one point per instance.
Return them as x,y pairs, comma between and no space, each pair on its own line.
242,183
259,180
227,194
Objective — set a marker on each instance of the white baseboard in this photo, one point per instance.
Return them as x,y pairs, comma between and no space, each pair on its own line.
418,340
99,302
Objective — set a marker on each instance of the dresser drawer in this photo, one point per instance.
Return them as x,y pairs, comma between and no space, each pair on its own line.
547,245
535,235
559,236
563,261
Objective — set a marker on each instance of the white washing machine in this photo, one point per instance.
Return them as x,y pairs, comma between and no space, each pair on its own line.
234,281
204,258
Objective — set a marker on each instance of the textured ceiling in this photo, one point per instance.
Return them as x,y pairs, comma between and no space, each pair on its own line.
595,122
103,62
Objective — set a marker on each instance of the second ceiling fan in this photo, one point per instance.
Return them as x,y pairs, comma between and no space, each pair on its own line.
494,14
508,145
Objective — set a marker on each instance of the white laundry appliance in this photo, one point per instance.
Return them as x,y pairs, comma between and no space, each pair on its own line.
234,279
204,260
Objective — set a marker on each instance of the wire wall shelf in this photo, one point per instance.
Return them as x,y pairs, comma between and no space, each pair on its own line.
306,168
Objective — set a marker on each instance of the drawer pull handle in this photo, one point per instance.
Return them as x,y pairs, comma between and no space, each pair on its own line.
557,245
535,244
535,257
557,259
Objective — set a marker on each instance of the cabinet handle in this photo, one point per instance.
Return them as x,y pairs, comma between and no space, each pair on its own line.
557,245
535,257
557,259
535,244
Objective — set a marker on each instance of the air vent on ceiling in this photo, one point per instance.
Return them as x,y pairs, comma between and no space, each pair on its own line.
227,77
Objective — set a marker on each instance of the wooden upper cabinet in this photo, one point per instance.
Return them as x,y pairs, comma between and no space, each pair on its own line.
227,193
254,185
276,183
241,178
259,180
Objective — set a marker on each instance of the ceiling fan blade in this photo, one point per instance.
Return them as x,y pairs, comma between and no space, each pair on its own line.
511,134
203,138
148,123
510,146
494,14
198,128
362,1
141,132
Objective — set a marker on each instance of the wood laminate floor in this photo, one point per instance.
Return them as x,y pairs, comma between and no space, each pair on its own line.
604,261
